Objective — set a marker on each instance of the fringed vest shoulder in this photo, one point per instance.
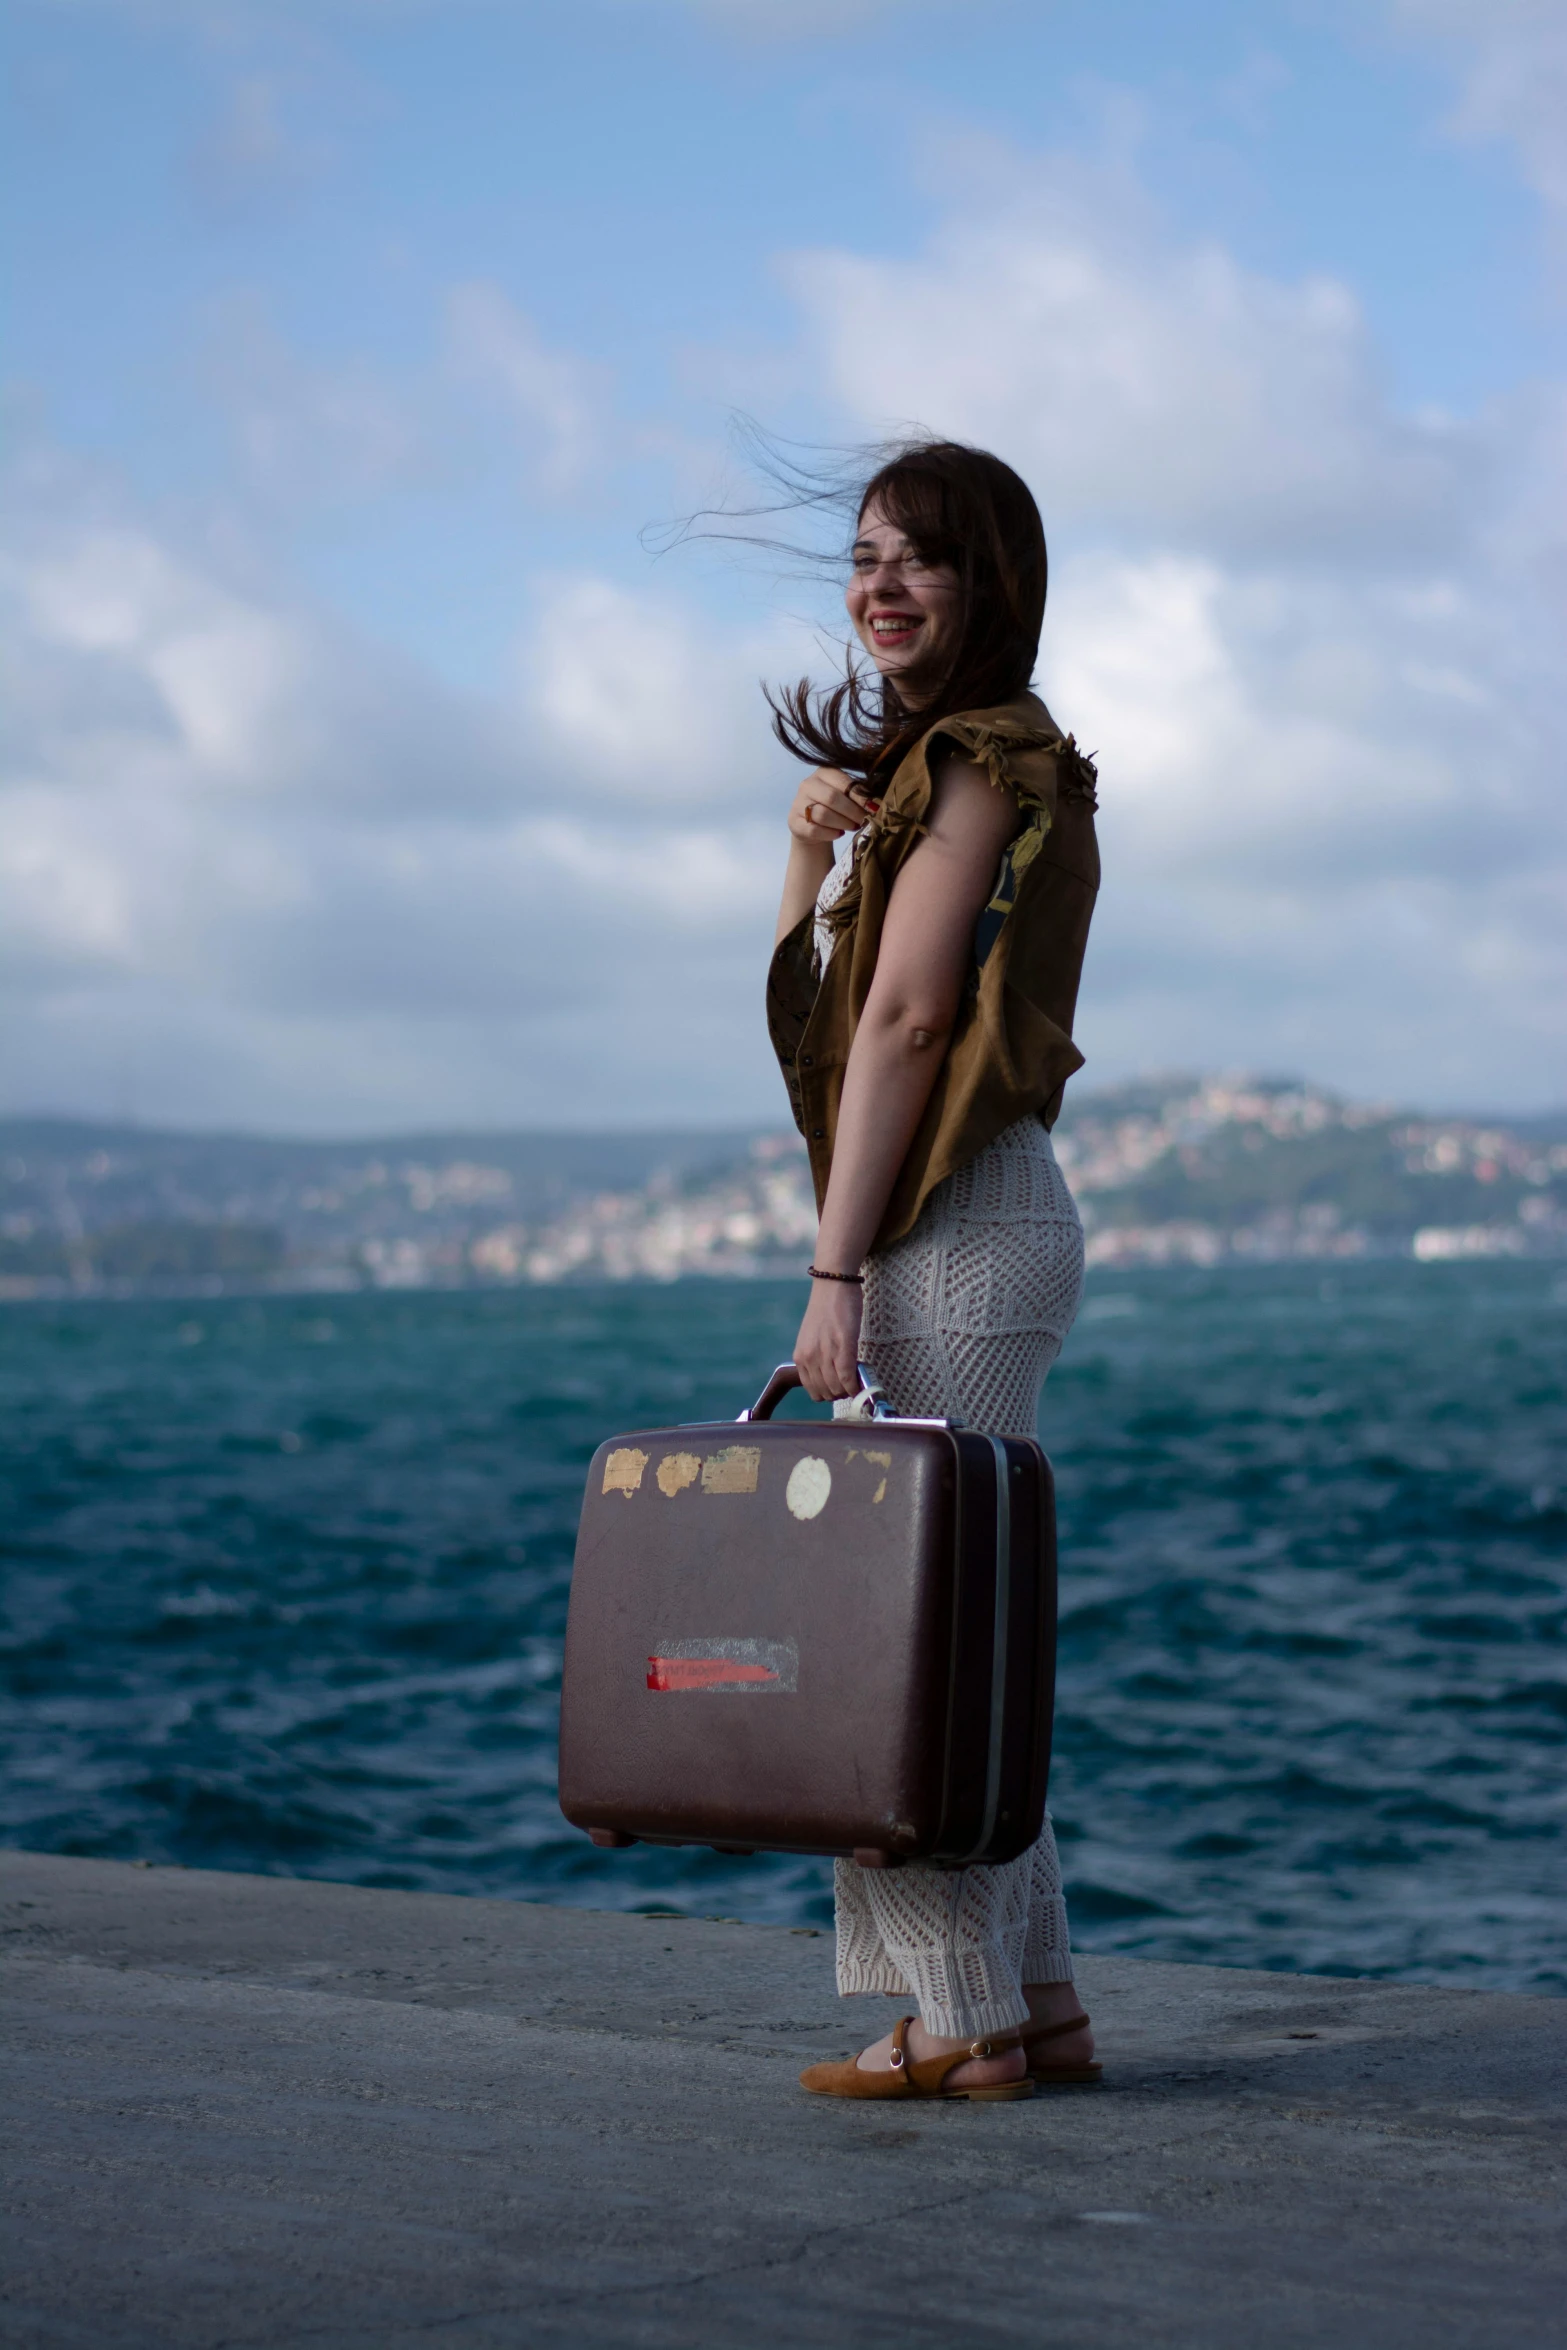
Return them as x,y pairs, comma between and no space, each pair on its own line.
1011,1051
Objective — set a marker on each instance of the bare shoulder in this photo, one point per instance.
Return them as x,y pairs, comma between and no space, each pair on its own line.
967,805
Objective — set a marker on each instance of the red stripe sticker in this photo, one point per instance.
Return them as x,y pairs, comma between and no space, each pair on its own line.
701,1672
746,1666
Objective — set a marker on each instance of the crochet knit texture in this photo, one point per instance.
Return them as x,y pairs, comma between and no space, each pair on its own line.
964,1317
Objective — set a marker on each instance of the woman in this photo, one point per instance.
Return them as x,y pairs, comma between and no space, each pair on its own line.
921,1001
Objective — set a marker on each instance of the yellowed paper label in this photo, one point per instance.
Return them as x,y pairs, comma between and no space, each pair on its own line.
734,1470
878,1460
623,1471
676,1471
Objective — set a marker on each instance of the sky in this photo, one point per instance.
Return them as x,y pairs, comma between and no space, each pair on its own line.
369,760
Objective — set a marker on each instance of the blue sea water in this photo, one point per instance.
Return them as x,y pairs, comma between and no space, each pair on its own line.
284,1584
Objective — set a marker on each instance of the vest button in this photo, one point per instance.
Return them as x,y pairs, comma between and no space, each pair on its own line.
805,1060
818,1134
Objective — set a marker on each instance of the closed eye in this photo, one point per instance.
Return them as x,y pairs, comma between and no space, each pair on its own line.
864,560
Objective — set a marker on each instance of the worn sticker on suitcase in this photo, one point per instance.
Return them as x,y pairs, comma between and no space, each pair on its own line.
810,1482
733,1470
623,1471
751,1668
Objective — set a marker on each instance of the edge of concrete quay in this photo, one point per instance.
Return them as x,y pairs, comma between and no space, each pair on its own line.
255,2110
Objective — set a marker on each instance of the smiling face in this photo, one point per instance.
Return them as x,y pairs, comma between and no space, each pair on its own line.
904,610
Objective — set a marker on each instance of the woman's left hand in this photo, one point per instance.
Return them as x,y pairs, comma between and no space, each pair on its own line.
827,1351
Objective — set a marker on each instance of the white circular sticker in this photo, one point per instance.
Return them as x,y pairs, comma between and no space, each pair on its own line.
810,1482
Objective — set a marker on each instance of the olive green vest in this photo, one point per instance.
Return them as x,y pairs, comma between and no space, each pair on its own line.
1011,1051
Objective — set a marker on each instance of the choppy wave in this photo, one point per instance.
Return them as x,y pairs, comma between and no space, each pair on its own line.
284,1590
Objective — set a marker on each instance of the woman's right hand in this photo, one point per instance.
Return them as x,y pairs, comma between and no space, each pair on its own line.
824,808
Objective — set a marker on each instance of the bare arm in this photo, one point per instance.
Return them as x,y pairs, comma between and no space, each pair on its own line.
899,1045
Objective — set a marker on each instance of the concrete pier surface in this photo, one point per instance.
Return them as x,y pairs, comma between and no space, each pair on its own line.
250,2111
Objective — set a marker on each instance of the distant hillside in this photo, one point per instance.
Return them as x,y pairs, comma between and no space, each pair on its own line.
82,1203
1243,1166
1169,1170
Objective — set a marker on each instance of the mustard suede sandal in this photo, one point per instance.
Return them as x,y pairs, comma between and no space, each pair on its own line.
1058,2076
907,2079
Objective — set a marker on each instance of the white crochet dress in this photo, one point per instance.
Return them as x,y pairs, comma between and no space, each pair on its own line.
965,1316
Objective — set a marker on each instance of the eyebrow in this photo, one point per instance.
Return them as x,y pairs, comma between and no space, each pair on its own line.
868,546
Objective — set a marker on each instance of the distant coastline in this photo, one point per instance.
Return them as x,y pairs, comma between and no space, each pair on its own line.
1169,1170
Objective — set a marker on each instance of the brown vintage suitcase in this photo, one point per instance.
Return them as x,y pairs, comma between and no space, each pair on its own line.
812,1636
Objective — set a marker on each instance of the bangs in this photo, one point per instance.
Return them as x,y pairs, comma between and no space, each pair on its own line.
922,504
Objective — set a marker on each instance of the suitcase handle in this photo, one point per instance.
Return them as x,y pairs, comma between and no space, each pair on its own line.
772,1395
786,1377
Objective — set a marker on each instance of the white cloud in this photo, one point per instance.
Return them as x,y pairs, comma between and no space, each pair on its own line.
630,699
489,396
1142,386
1512,57
290,878
224,674
311,434
137,669
553,399
1310,637
251,153
1328,841
226,824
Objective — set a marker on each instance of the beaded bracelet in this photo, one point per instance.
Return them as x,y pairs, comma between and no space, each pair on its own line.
817,1274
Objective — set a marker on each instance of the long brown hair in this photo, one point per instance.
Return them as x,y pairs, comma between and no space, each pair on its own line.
960,507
